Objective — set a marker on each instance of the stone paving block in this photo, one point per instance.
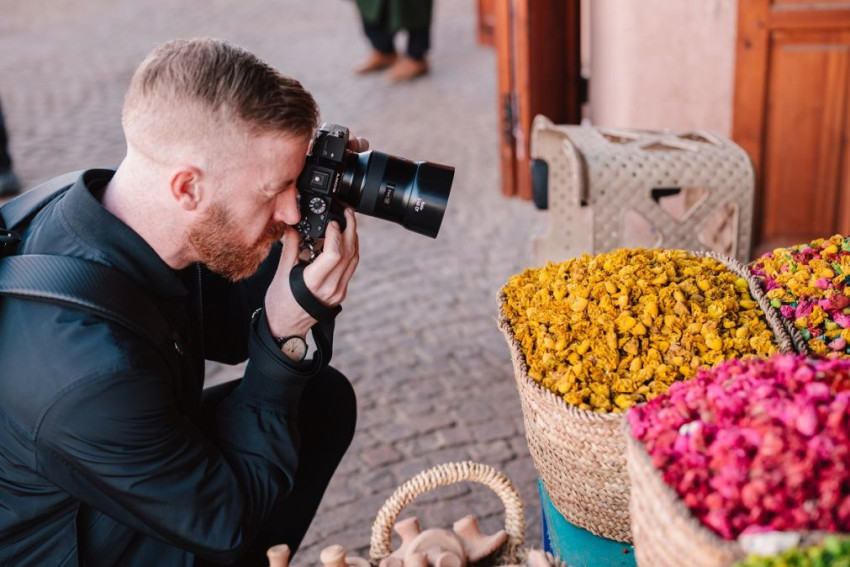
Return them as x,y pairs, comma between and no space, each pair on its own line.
378,481
459,435
380,455
493,430
493,452
392,432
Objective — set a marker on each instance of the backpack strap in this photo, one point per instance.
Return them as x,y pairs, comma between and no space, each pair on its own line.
73,282
85,285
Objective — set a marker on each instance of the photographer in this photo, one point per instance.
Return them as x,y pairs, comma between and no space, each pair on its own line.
110,452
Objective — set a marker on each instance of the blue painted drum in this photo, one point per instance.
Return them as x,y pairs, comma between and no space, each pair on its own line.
576,546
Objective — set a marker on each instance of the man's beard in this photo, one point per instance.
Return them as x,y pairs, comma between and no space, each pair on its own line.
216,239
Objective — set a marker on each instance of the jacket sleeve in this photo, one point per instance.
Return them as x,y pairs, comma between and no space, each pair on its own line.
119,443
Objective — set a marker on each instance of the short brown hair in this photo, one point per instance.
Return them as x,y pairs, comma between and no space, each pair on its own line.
225,80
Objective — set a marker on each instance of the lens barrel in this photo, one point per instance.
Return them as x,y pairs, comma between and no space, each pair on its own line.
412,194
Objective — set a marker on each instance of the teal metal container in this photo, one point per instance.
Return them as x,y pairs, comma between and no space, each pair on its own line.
576,546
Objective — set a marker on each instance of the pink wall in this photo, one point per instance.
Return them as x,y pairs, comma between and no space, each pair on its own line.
662,64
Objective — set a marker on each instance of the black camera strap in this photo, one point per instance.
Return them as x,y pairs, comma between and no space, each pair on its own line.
323,331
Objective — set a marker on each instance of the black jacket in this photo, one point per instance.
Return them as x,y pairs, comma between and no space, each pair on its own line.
106,453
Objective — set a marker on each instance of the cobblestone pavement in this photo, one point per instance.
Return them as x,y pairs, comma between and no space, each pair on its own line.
418,337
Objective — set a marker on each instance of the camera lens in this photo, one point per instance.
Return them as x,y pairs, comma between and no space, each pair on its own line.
412,194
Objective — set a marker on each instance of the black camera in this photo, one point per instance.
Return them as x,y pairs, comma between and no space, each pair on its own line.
412,194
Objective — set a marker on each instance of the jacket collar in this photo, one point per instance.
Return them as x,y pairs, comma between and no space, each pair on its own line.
118,244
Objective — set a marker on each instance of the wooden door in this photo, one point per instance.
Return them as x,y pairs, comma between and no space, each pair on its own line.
539,72
486,22
791,116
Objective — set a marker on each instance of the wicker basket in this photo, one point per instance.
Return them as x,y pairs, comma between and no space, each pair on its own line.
581,455
599,177
446,474
666,534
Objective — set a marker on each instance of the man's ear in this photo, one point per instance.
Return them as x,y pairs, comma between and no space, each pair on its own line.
186,187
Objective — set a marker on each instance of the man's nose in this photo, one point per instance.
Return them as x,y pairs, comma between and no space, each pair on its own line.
287,208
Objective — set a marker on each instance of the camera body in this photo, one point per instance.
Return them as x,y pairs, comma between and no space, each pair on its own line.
413,194
320,181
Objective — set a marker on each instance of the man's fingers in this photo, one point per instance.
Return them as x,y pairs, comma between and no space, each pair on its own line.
350,233
291,247
348,249
328,276
324,264
332,248
356,144
349,271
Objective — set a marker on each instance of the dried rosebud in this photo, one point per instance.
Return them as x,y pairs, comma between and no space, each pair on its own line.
756,445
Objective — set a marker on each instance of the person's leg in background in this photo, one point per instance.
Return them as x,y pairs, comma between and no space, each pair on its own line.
382,40
416,17
414,64
9,184
326,419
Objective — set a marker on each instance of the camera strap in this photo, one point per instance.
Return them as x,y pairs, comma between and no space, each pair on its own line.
323,331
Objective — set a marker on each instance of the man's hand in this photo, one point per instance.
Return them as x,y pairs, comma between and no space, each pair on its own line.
356,144
327,277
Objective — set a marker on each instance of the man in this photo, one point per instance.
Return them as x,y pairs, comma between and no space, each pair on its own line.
109,452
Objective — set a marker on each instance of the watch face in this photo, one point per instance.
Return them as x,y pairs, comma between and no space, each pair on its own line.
295,348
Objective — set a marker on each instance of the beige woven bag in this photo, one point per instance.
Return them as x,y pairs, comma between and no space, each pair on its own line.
581,455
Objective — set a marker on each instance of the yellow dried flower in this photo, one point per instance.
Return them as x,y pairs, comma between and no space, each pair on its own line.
608,331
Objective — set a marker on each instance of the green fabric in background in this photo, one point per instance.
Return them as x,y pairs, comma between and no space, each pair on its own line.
402,14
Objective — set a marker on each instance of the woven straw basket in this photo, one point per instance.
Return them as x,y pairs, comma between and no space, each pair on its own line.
444,475
581,455
666,534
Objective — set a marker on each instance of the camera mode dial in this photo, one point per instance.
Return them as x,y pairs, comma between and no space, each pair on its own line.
318,205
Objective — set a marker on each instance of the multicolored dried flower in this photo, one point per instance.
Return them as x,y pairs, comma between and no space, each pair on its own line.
808,284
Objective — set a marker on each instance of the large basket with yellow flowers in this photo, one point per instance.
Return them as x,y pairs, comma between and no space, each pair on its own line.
595,335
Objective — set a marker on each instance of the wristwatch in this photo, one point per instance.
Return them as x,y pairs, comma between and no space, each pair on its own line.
294,347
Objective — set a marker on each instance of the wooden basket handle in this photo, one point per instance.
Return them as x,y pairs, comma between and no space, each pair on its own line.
444,475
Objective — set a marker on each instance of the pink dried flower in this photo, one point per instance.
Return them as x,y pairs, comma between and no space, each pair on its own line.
842,319
804,309
756,445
